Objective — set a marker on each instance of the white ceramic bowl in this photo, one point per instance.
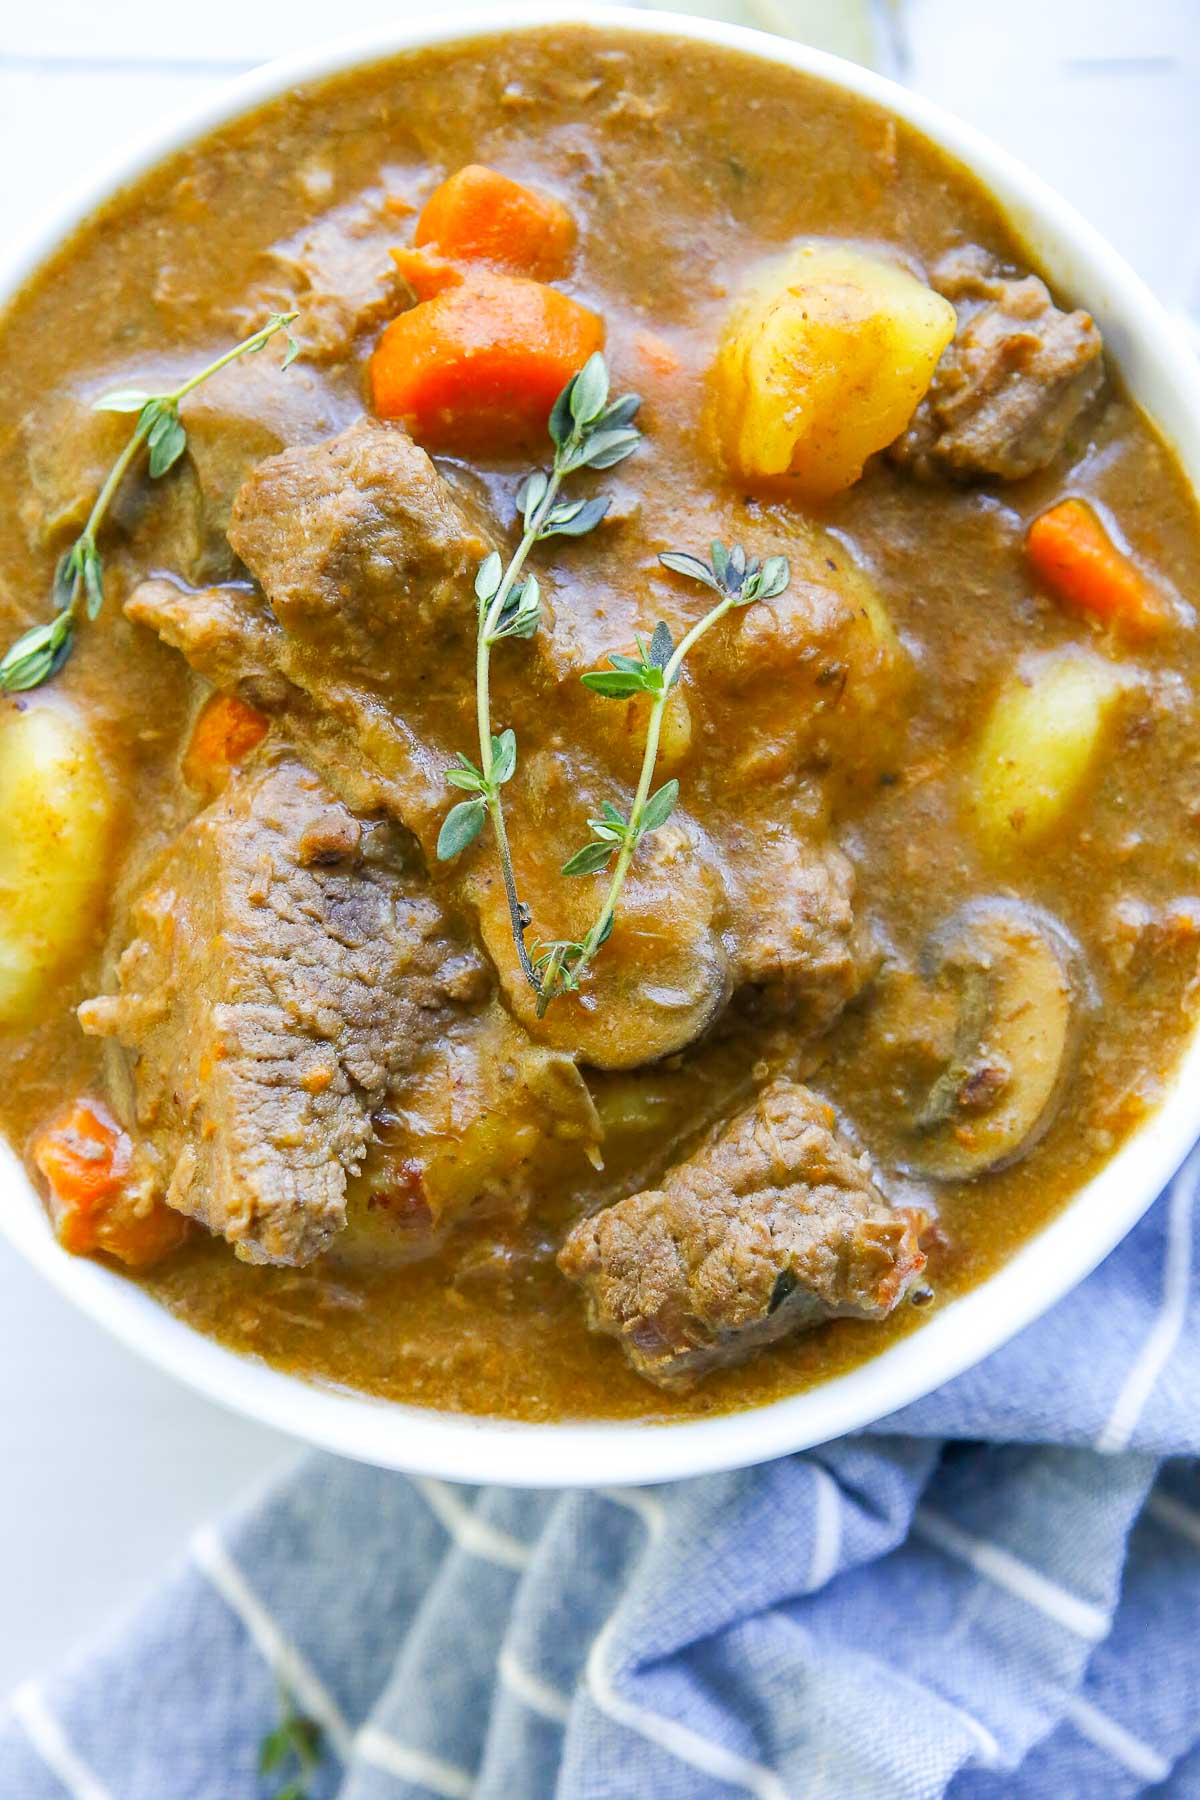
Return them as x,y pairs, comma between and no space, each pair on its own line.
1165,378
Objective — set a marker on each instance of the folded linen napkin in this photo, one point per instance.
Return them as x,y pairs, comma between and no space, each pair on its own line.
995,1592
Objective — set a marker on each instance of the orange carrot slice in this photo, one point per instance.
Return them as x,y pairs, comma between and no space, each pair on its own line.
479,215
477,366
1071,552
225,733
85,1159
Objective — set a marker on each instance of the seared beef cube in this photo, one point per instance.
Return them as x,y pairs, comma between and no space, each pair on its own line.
337,272
365,560
354,539
770,1228
1011,385
287,972
798,951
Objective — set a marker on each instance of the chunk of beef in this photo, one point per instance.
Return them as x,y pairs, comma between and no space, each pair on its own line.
337,273
1011,385
287,972
365,560
353,539
797,948
248,411
770,1228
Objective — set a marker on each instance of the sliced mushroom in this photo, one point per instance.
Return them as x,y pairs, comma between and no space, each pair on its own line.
1018,980
663,976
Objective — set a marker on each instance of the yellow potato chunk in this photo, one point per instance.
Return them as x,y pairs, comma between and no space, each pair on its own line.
57,808
823,362
1038,746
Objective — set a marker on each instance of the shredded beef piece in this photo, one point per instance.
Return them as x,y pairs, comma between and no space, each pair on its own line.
1012,383
771,1227
287,970
797,949
365,559
338,274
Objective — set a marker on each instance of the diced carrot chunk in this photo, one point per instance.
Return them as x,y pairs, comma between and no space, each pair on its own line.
84,1155
479,215
225,733
139,1236
1074,555
478,365
85,1159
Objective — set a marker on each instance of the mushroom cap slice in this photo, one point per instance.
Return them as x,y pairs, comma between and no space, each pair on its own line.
1020,985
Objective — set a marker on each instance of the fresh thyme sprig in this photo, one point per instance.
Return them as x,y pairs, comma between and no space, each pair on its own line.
78,585
739,581
588,432
295,1741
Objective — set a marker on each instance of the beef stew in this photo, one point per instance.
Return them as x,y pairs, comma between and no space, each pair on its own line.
533,904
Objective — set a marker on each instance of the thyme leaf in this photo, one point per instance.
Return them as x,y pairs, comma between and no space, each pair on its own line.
461,826
590,860
660,806
504,757
295,1740
37,655
78,587
617,686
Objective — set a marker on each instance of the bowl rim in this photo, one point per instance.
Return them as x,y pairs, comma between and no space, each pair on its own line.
1164,376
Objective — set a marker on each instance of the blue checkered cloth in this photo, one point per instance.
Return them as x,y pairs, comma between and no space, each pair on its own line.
998,1591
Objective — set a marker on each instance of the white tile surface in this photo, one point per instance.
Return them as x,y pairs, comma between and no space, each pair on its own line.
105,1466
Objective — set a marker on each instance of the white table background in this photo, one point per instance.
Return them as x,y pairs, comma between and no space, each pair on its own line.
105,1465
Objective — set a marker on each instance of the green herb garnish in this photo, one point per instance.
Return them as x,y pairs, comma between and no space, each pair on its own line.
78,586
293,1744
588,432
739,580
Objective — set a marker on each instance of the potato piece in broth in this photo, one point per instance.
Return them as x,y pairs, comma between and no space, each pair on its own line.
58,808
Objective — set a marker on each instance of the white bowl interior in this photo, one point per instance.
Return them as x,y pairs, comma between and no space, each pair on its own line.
1165,378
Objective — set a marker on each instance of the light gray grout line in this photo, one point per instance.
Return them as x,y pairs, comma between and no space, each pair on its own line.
20,63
